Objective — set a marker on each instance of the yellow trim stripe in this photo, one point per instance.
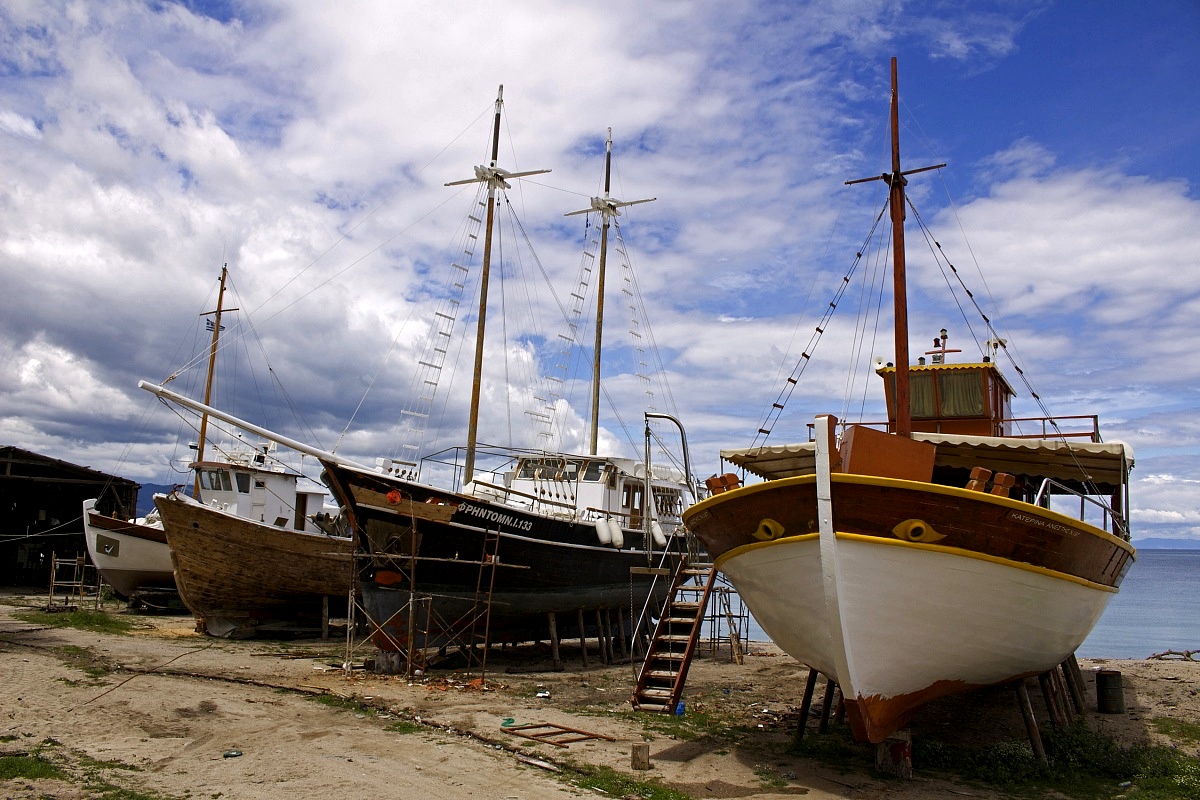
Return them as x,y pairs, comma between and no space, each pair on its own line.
917,486
935,548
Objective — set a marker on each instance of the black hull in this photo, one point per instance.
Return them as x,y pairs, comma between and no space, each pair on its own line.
470,564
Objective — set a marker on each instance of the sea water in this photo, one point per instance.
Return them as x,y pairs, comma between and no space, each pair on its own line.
1157,609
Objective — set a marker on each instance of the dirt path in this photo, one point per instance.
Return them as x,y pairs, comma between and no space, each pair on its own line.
164,711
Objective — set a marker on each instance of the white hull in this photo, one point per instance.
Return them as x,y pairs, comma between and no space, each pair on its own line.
912,621
128,562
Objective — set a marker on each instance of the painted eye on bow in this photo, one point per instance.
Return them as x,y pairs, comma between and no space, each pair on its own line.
768,530
916,530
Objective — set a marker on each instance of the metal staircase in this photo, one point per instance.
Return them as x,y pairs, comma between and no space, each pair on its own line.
669,654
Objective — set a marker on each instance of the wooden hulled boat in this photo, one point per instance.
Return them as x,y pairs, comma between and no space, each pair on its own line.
236,575
940,554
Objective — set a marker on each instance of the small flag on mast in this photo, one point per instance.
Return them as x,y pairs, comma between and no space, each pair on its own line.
208,324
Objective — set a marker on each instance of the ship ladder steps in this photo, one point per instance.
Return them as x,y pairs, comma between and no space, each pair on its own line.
664,671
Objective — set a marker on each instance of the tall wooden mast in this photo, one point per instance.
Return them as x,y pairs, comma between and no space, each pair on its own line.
896,182
494,177
208,381
608,207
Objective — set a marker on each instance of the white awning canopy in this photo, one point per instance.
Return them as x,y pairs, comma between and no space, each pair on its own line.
1101,463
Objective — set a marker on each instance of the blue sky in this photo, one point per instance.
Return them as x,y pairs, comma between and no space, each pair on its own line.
145,144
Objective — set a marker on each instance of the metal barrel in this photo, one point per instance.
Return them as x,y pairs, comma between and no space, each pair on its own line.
1110,694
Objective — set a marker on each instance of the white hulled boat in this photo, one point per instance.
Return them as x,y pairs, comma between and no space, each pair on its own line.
942,554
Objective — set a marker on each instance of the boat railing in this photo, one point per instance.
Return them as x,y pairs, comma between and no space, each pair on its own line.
1110,521
1049,427
664,570
515,497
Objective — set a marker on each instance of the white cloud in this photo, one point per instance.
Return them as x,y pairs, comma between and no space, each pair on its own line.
308,147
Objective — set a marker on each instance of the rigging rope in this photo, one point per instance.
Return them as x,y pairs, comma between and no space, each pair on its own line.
776,410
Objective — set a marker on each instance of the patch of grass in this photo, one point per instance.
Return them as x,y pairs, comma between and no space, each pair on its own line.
341,703
406,726
767,777
610,782
836,749
96,621
1178,730
696,722
32,767
84,660
50,761
1082,764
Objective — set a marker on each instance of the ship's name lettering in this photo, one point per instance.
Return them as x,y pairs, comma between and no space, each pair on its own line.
492,515
1037,522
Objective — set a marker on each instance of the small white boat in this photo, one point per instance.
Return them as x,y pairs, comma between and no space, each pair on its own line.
131,555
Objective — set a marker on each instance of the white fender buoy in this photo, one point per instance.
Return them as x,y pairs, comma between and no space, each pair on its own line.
616,535
602,531
656,532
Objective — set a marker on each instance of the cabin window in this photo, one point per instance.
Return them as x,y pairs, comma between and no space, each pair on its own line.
961,393
922,404
594,471
631,498
243,482
215,480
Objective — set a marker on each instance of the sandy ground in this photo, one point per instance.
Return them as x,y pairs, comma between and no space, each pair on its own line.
174,714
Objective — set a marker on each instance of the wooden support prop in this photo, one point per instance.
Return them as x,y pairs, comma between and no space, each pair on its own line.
1062,697
1073,663
601,638
1031,726
552,618
827,706
582,640
1073,687
806,704
893,756
621,633
325,616
639,758
1051,703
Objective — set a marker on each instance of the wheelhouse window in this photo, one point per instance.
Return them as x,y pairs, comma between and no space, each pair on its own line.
944,394
243,482
961,393
215,480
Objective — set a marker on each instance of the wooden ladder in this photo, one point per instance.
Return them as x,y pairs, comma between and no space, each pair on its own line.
663,673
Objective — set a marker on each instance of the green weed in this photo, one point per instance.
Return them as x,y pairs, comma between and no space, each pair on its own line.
1178,730
95,621
610,782
30,767
1082,764
84,660
405,726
